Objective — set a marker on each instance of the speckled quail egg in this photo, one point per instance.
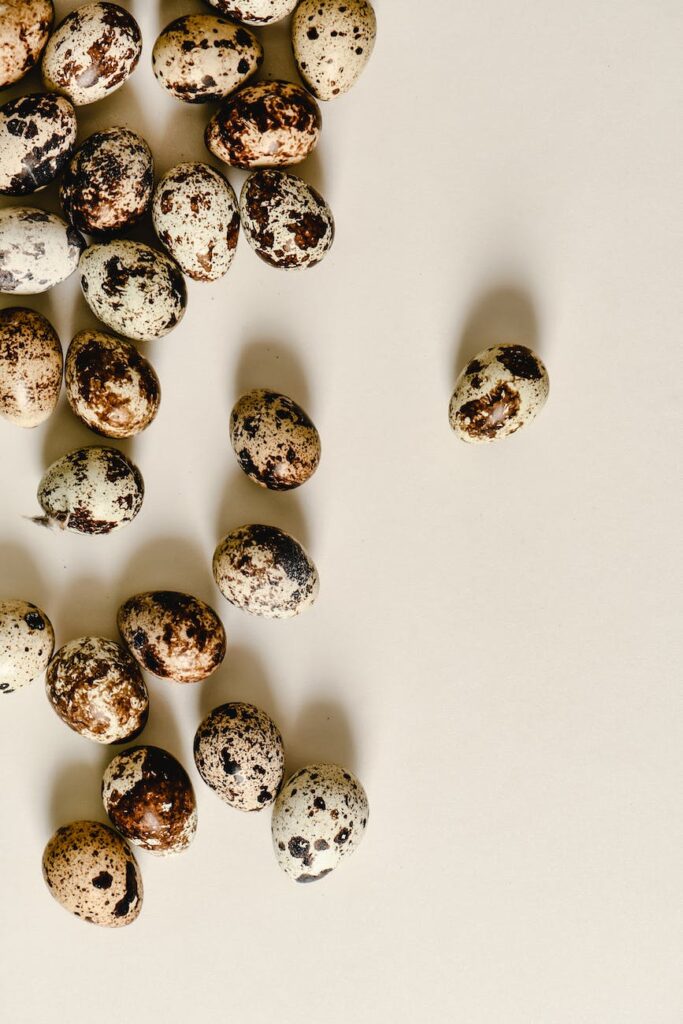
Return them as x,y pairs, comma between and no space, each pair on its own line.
255,12
149,798
275,442
27,641
92,52
332,43
319,818
200,57
285,221
92,872
38,250
109,182
175,636
37,137
97,689
24,30
499,391
269,124
109,385
91,490
265,571
239,753
30,366
133,289
197,219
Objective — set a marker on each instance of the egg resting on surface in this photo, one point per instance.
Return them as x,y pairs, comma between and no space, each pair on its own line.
30,366
38,250
332,43
276,443
255,12
27,641
37,137
285,221
24,30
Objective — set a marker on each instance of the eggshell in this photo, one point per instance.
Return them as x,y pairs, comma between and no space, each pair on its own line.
92,872
332,43
27,641
37,137
239,753
285,221
319,819
38,250
275,442
91,490
24,30
255,12
30,366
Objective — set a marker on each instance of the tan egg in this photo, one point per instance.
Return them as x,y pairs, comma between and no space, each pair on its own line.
27,641
24,30
92,490
276,443
30,366
38,250
255,12
332,43
37,137
286,222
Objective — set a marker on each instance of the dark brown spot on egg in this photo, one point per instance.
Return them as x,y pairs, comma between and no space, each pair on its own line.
520,361
486,416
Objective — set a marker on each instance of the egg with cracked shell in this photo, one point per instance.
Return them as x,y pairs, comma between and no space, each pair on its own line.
24,30
38,250
332,43
285,221
30,366
274,440
37,137
255,12
27,641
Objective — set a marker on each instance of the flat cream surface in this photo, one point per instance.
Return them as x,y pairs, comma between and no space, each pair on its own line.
494,651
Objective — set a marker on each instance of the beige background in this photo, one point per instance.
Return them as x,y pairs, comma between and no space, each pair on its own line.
494,649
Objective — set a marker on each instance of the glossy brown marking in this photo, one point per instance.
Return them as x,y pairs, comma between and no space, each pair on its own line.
520,361
486,416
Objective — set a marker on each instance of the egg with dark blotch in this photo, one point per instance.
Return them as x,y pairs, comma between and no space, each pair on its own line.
27,641
286,222
275,441
24,30
332,43
38,250
149,798
30,366
173,635
255,12
37,137
92,873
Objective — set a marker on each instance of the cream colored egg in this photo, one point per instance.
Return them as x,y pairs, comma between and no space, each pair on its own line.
27,641
30,366
255,12
274,440
332,43
24,30
38,250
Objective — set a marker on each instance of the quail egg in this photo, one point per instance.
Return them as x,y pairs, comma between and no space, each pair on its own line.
285,221
91,490
38,250
30,366
255,12
332,43
27,641
275,442
24,30
37,137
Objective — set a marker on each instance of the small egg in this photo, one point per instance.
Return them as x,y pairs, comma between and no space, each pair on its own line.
149,798
275,442
37,137
265,571
92,53
97,689
27,641
30,366
133,289
197,219
269,124
285,221
92,872
38,250
255,12
24,30
319,818
239,754
499,391
332,43
175,636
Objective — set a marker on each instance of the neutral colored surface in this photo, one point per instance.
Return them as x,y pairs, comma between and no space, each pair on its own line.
494,647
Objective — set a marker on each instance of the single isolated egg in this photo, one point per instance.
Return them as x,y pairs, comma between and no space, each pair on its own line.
30,366
275,442
255,12
332,43
38,250
27,641
285,221
37,137
24,30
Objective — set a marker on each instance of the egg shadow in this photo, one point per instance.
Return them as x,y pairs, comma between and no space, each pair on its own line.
278,56
320,733
20,578
161,729
244,502
241,677
271,364
504,313
166,563
87,608
312,171
75,791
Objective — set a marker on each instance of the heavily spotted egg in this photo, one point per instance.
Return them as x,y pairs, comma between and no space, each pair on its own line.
285,221
24,30
38,250
30,366
37,137
276,443
255,12
27,641
332,43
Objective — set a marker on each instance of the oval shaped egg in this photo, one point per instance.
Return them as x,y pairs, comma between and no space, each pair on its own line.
92,53
37,137
332,43
27,641
499,392
255,12
91,490
319,819
24,30
285,221
197,219
265,571
30,366
92,872
239,754
275,442
38,250
132,288
175,636
149,798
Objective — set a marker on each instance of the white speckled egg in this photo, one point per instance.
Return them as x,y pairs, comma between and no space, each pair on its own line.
38,250
91,490
27,641
24,30
255,12
319,819
37,137
332,43
276,443
499,391
30,367
197,219
286,222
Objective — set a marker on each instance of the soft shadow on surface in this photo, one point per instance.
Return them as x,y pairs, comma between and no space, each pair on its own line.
166,563
20,578
86,608
320,733
312,171
504,313
65,432
244,502
278,60
75,790
241,677
271,364
162,727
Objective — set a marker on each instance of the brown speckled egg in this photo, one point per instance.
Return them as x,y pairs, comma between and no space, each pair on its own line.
92,490
37,137
255,12
24,30
30,366
275,442
27,641
239,753
92,872
285,221
269,124
332,43
149,798
38,250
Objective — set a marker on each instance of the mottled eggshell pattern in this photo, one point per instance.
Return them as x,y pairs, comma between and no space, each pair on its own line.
24,30
319,819
265,571
197,219
37,137
275,442
149,798
133,289
175,636
27,641
255,12
92,53
97,689
332,43
498,392
92,872
30,366
285,221
38,250
239,753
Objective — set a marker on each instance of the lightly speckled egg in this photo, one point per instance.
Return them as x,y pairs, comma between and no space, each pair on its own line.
275,442
150,800
92,52
97,689
91,490
269,124
239,754
319,819
332,43
499,391
133,289
285,221
37,137
265,571
175,636
109,385
92,872
255,12
38,250
30,366
24,30
197,219
27,641
200,57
